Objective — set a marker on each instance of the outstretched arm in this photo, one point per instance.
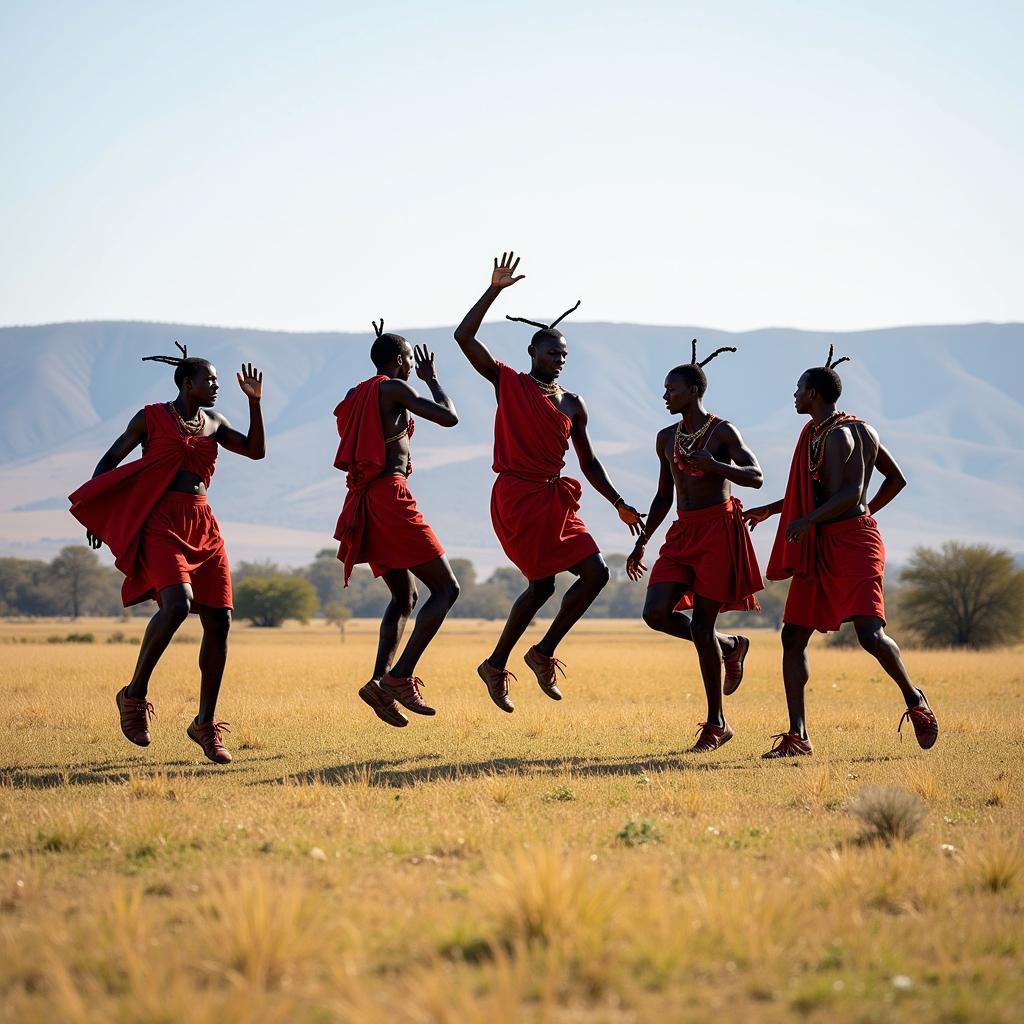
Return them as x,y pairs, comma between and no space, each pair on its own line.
894,481
502,277
441,410
661,505
595,473
252,445
742,466
134,435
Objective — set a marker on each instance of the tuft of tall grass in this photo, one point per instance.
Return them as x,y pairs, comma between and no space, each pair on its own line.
890,813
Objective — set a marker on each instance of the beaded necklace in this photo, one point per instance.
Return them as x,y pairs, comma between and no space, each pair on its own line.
683,444
547,389
193,427
816,449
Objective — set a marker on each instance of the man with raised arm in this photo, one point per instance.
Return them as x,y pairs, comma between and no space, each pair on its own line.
379,522
533,507
707,562
153,515
828,542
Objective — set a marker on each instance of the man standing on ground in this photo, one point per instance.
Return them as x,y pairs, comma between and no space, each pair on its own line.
828,542
534,508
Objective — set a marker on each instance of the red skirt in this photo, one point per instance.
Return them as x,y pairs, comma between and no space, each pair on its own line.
537,525
181,543
847,581
395,535
709,552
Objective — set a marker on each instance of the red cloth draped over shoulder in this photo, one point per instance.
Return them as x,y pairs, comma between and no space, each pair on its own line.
533,508
788,559
379,522
114,506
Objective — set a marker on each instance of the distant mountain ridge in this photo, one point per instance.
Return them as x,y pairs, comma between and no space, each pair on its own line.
948,401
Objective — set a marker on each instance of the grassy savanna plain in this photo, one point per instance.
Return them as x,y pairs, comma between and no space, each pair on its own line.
479,866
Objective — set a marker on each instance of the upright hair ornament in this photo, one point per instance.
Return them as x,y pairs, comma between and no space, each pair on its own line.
170,360
545,327
829,365
379,330
704,362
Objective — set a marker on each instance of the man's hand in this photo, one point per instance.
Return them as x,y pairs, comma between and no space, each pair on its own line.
503,275
635,567
92,540
797,530
753,516
632,518
250,380
425,369
700,459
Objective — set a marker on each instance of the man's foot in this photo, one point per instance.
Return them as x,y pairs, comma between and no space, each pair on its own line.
496,681
208,737
544,668
733,662
383,706
922,718
789,744
134,715
407,692
711,737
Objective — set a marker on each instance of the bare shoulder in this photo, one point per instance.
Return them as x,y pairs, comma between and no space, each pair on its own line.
870,433
666,434
574,403
728,431
840,440
215,417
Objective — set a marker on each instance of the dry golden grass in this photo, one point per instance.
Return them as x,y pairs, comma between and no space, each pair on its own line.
478,867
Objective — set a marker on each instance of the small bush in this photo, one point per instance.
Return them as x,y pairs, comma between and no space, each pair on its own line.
639,833
560,793
891,813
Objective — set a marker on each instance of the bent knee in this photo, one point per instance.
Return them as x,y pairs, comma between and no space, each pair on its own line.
794,638
452,591
542,589
218,620
657,618
872,640
177,608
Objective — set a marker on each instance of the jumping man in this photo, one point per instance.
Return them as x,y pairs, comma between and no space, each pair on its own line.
153,515
380,523
707,562
828,542
534,508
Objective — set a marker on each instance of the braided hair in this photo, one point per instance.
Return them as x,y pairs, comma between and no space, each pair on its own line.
824,379
693,372
185,366
546,330
386,347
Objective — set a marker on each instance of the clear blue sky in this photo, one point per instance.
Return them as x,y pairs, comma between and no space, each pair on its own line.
312,165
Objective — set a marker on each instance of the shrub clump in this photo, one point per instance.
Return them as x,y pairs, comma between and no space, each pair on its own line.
890,813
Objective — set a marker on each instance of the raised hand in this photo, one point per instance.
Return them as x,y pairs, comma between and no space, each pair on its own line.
632,518
425,369
250,380
504,273
92,540
753,516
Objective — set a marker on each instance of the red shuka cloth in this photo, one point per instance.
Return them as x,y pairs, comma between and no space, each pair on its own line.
837,567
847,581
379,522
709,551
115,506
533,508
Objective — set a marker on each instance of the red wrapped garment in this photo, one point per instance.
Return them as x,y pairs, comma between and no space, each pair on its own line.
115,506
379,521
181,543
709,551
533,508
849,563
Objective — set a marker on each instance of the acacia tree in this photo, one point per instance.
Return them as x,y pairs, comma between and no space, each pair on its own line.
966,595
269,600
81,578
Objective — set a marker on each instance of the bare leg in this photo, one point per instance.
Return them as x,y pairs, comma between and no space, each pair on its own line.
660,614
702,627
395,617
175,603
593,576
522,613
213,654
874,640
438,578
795,673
